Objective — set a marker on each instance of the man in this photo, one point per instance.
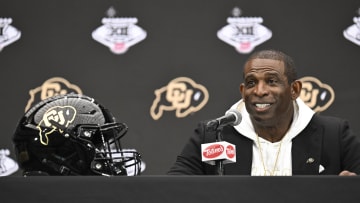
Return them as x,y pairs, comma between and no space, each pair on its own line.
278,135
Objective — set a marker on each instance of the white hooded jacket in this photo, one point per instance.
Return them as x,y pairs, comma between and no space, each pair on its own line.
273,158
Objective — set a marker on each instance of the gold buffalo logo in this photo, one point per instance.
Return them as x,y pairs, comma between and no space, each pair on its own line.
317,95
55,118
51,87
181,95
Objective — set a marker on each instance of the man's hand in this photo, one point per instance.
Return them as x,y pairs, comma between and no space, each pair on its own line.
347,173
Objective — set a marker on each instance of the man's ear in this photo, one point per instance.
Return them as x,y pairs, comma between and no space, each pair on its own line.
241,89
296,89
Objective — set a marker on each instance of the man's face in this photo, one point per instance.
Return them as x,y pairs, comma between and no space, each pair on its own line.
266,92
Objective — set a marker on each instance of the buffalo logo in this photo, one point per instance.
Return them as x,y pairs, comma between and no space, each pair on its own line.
352,33
8,33
244,33
181,95
51,87
317,95
55,118
119,34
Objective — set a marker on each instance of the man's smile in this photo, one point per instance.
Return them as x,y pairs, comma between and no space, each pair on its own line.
262,106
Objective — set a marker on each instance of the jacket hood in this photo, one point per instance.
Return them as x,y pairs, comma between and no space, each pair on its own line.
302,116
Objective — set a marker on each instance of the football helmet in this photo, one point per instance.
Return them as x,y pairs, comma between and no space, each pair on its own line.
73,135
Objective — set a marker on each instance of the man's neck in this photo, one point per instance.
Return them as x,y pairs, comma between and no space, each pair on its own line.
274,133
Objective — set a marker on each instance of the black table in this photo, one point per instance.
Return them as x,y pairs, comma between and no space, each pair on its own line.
88,189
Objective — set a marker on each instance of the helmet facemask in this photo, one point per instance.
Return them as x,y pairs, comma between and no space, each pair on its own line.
109,158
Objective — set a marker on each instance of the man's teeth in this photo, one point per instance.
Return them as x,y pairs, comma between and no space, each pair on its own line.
262,105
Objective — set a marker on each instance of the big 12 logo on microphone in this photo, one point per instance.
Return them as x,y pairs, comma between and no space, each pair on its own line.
211,152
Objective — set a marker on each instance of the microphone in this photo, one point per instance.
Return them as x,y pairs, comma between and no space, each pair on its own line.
231,117
220,152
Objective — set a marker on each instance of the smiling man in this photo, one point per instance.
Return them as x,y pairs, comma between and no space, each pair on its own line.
278,135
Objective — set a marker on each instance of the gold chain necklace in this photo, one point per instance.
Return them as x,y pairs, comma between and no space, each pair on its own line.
262,158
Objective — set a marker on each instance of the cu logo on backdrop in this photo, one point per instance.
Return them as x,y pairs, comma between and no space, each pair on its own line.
182,95
51,87
317,95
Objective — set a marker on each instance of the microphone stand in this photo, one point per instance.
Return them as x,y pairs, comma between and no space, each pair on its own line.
214,126
219,163
232,117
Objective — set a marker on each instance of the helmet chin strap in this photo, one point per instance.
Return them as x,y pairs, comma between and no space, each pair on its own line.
61,169
35,173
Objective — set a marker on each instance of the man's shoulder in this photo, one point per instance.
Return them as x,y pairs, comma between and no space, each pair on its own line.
326,120
319,116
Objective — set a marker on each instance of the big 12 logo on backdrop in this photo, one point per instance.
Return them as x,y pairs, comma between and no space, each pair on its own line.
8,33
244,33
119,34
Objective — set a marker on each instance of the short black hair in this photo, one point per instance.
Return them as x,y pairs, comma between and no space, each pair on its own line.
290,69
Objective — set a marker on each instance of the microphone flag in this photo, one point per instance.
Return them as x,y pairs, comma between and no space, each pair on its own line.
225,151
